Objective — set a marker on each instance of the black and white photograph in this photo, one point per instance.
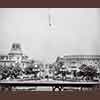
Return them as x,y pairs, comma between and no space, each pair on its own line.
49,49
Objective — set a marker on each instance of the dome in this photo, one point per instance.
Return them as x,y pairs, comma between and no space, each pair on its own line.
15,49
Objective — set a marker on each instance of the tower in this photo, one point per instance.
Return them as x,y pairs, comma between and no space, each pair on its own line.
15,51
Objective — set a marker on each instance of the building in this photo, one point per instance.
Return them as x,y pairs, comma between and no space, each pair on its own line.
15,56
73,62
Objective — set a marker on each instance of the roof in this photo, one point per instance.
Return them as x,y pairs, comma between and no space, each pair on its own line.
82,56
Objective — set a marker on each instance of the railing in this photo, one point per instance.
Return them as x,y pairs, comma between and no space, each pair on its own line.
54,84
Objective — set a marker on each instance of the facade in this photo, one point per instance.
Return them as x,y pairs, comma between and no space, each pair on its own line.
73,62
15,56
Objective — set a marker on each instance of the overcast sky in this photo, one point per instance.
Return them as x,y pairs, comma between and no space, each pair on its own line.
73,31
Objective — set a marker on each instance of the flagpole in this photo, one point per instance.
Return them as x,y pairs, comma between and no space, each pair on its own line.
49,17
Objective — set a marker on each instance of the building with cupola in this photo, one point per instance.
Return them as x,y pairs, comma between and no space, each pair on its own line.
15,56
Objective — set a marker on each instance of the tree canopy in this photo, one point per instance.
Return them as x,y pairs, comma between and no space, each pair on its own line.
88,72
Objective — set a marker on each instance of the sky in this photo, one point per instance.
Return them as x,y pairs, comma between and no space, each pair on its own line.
73,31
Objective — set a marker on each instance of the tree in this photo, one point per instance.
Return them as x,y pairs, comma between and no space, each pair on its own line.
88,72
4,72
61,69
15,72
32,69
10,71
36,70
28,69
